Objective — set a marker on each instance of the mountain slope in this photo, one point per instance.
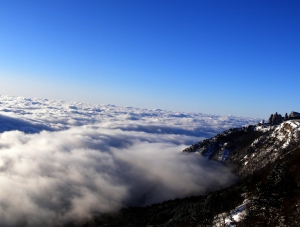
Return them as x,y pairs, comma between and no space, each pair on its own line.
251,148
267,159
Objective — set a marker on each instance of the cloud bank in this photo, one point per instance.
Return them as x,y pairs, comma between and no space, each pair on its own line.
61,115
62,162
54,178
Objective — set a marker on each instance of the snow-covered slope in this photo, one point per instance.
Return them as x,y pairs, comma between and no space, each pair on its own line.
251,148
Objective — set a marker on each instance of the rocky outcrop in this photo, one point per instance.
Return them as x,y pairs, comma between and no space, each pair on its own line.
294,115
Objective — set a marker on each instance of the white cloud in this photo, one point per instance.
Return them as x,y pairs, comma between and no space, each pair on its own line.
98,158
57,177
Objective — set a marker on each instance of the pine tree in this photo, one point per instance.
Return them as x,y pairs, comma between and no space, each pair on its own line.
286,117
271,120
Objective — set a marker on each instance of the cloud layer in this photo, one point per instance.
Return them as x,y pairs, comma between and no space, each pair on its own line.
60,177
62,162
60,115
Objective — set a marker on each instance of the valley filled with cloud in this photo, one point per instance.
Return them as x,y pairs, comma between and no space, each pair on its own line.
62,162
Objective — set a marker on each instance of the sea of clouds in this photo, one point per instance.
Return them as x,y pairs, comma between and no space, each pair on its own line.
62,162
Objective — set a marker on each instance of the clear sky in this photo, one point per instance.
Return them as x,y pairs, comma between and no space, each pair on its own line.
222,57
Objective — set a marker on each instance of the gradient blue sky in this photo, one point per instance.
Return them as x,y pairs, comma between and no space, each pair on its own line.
222,57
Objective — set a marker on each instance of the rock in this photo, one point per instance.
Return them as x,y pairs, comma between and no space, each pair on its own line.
294,114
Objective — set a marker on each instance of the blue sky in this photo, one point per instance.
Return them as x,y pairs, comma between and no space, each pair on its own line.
219,57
